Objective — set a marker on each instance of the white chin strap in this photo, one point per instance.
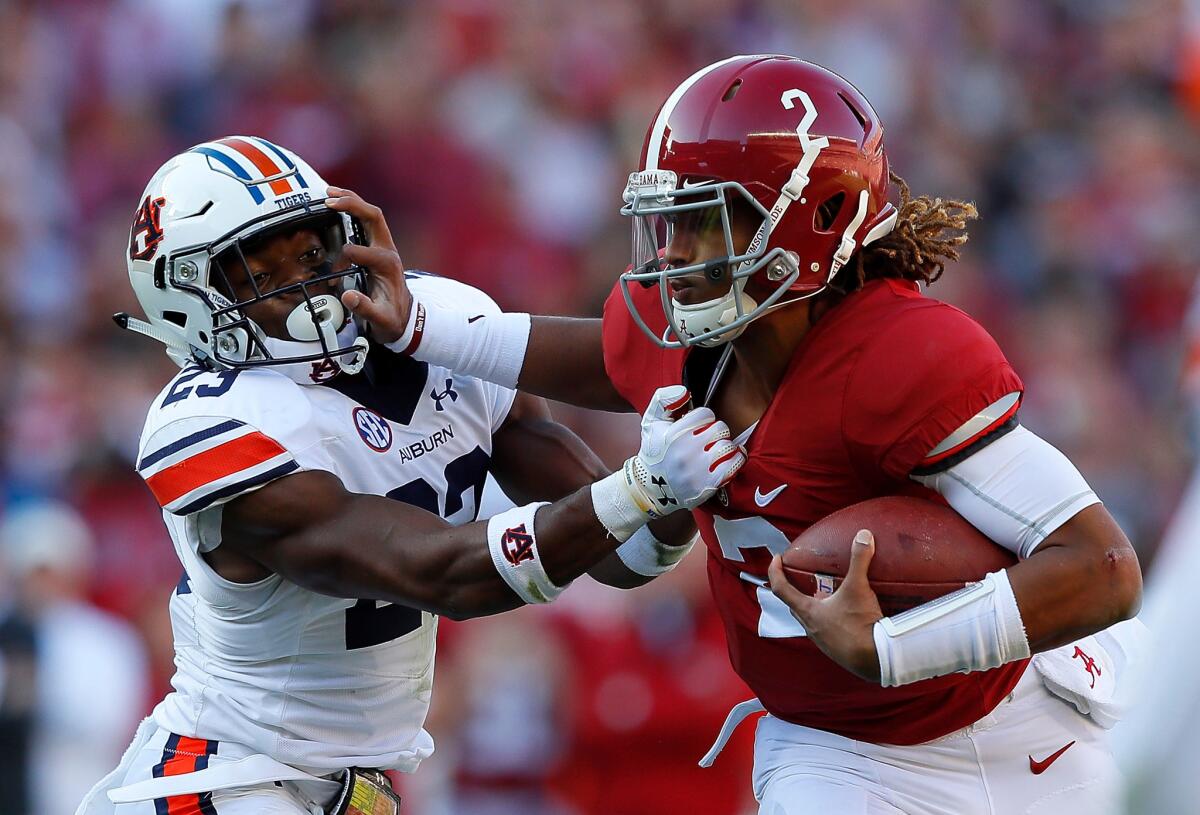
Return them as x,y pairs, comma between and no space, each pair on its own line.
306,341
713,315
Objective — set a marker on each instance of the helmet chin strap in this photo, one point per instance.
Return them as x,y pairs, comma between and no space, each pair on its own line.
307,336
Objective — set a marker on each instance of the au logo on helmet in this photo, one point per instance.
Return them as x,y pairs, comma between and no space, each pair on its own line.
147,228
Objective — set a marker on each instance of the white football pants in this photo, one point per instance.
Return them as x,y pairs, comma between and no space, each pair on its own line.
985,769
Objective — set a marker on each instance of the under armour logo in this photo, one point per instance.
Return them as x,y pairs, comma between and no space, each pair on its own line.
664,495
517,544
449,392
1089,664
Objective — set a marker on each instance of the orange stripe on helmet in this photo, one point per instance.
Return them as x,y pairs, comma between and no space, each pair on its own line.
265,164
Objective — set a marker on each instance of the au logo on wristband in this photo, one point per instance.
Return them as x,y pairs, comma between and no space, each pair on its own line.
517,544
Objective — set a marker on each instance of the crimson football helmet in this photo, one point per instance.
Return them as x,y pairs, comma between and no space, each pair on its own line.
796,142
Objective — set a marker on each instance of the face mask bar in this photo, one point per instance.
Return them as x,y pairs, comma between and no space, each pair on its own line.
238,342
656,206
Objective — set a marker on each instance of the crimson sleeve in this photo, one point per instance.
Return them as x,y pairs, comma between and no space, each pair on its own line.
918,381
635,364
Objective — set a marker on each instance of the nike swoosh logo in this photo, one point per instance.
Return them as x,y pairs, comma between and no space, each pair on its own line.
476,317
1039,767
763,500
687,185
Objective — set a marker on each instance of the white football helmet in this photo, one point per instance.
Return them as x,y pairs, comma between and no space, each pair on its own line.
197,211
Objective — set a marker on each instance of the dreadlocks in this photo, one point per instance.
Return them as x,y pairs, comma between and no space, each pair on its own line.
927,235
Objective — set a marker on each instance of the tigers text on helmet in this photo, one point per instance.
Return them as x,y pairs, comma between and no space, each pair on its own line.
187,245
794,142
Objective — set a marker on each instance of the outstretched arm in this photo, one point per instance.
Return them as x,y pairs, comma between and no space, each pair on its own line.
310,529
560,358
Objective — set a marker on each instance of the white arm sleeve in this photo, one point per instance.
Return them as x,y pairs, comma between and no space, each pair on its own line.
1017,490
460,328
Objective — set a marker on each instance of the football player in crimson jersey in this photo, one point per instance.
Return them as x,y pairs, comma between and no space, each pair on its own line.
774,276
321,493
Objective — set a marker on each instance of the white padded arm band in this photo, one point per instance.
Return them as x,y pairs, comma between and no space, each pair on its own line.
619,506
646,555
487,346
973,629
1017,490
512,541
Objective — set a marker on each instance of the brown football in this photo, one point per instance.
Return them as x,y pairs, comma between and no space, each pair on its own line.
923,550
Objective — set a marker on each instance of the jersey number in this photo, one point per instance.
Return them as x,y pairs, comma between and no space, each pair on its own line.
754,532
182,390
371,622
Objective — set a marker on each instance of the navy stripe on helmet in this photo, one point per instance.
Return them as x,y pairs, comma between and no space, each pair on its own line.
282,157
235,168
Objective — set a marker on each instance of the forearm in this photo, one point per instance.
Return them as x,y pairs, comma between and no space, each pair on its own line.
564,361
1067,589
410,557
534,458
560,358
1083,578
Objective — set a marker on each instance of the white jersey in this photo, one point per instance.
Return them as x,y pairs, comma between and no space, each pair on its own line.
314,681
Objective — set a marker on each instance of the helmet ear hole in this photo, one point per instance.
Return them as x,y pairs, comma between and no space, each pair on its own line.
862,120
176,318
827,212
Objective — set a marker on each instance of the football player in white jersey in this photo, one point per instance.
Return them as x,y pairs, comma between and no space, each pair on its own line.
321,492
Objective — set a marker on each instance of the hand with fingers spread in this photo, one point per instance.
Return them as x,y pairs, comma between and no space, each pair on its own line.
841,624
389,303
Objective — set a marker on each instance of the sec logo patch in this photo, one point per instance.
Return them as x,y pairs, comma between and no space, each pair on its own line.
373,429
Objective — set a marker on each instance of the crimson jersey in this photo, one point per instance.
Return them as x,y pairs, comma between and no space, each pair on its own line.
877,383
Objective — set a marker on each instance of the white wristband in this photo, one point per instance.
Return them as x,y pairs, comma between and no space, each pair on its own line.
646,555
974,629
489,346
513,544
620,503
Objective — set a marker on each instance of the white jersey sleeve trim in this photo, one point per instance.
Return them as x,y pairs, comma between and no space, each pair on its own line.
981,421
1017,490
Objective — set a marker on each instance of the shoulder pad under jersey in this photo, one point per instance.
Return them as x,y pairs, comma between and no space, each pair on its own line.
213,435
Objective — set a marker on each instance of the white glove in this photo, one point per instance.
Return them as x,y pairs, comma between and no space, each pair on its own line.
680,465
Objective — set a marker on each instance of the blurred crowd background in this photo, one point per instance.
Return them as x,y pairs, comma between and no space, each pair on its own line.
497,137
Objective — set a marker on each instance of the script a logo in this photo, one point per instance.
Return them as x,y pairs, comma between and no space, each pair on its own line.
1089,664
